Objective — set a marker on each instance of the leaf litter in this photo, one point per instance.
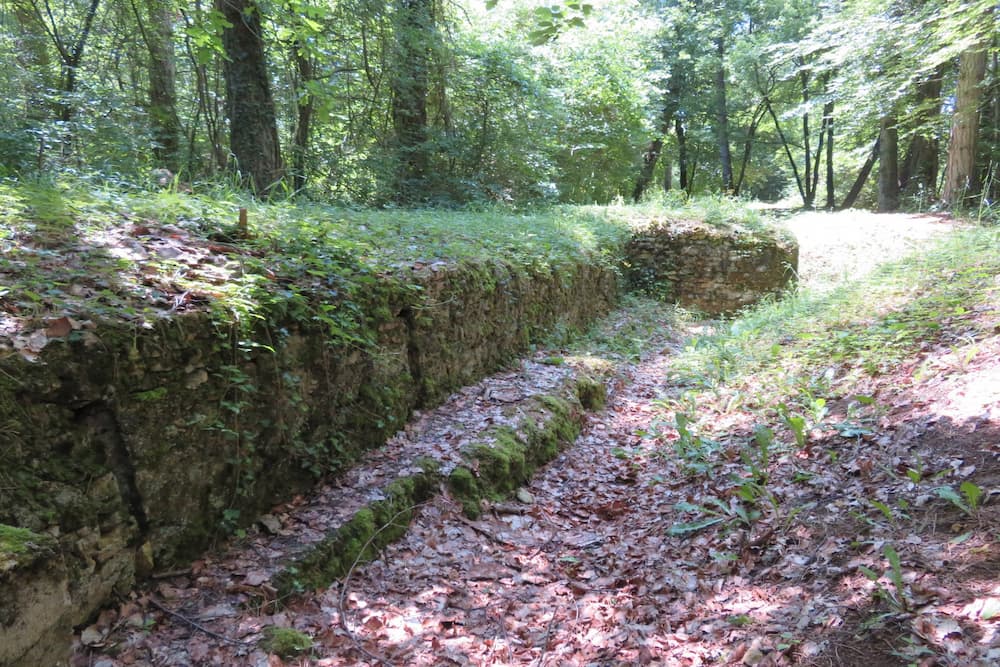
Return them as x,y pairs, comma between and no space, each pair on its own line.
842,552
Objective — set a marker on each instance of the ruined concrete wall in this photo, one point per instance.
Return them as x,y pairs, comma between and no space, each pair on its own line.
714,270
129,448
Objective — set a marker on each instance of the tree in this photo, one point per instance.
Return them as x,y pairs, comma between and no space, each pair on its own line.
415,27
253,129
919,172
960,173
888,165
156,27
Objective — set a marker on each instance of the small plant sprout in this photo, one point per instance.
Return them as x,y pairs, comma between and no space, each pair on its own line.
796,423
968,497
894,595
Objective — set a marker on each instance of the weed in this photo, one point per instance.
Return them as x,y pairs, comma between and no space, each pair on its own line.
895,595
968,497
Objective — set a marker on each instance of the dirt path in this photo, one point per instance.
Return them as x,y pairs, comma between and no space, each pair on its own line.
834,247
597,563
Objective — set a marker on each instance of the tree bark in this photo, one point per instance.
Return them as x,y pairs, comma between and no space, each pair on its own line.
410,82
859,182
830,192
253,129
960,174
303,122
722,118
158,34
809,197
888,165
649,159
682,155
919,172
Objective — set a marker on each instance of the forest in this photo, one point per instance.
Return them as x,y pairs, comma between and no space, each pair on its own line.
499,332
518,102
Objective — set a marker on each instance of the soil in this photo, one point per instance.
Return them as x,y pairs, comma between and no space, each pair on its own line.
599,563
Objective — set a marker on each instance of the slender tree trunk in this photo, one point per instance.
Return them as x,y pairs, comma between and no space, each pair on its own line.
682,155
788,153
722,118
859,182
303,122
649,159
668,174
959,176
758,115
830,192
158,34
919,171
810,192
253,129
410,81
888,165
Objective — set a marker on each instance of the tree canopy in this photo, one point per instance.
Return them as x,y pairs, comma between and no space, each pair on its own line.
420,102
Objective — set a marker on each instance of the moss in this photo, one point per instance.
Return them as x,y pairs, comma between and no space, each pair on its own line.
360,539
502,463
592,393
462,483
286,643
151,395
20,546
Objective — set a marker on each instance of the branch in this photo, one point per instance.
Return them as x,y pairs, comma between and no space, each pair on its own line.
197,626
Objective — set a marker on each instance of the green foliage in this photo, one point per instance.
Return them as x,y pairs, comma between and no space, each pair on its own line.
285,643
896,594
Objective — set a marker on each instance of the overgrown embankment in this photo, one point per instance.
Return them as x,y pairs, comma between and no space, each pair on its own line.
166,375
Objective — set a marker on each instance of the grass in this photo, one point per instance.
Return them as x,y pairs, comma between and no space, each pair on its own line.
75,249
814,345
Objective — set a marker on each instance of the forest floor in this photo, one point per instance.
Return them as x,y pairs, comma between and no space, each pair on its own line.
824,508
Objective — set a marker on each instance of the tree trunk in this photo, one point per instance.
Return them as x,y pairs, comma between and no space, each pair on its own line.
166,126
668,175
253,129
919,172
810,191
758,116
859,182
682,155
410,81
830,193
303,123
649,159
888,165
959,176
722,119
788,153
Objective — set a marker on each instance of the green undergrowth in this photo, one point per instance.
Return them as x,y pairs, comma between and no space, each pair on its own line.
75,249
811,347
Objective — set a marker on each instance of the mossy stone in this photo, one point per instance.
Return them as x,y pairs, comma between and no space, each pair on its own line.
285,643
20,546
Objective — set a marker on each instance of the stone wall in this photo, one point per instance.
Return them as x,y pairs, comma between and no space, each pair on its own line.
716,270
130,448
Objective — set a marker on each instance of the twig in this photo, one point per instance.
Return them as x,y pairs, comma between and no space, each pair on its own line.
545,642
342,603
197,626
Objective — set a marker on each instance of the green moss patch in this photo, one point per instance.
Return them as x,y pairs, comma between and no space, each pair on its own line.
285,643
360,539
508,457
20,546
